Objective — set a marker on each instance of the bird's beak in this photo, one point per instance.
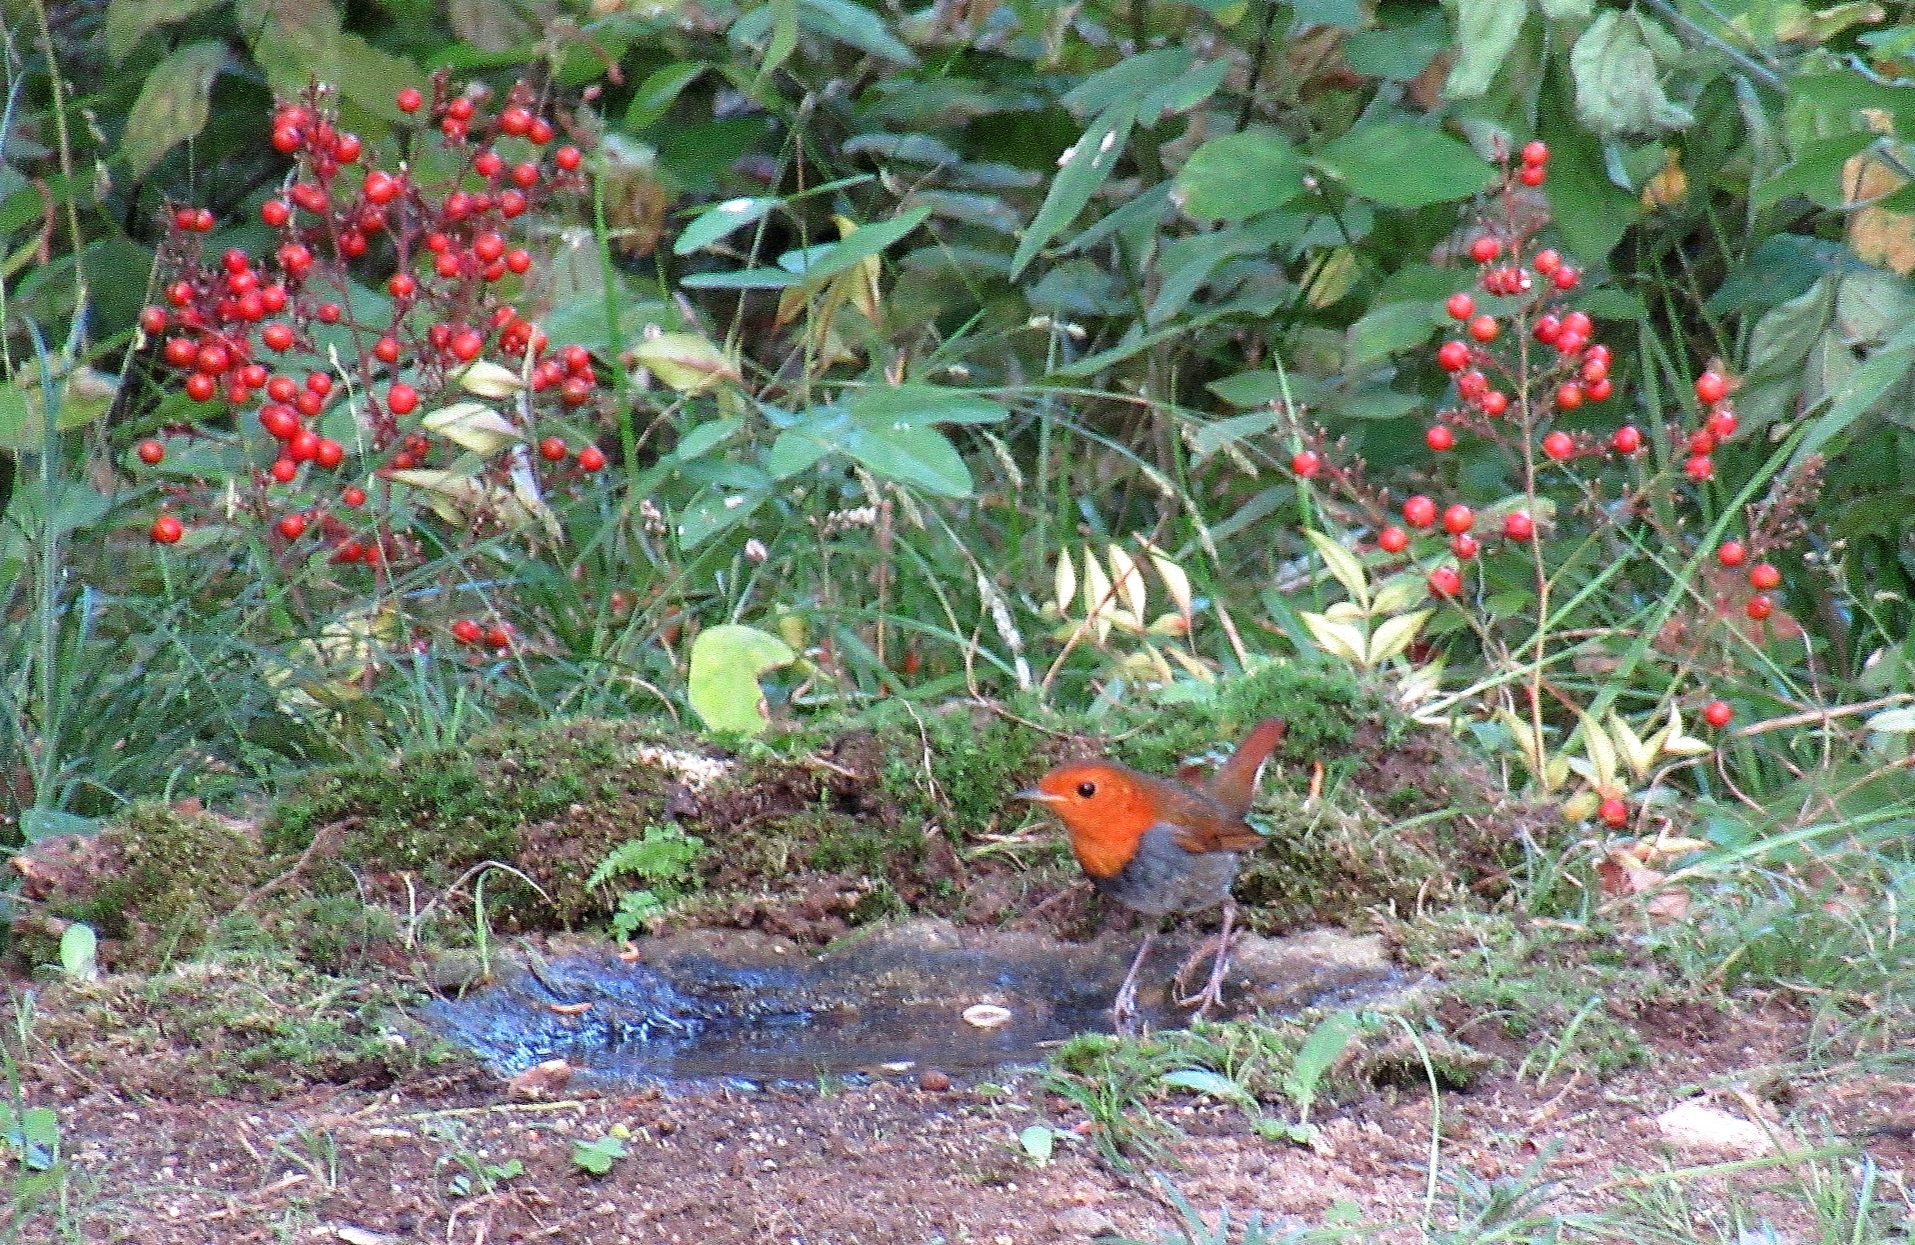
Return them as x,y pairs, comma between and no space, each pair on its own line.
1039,796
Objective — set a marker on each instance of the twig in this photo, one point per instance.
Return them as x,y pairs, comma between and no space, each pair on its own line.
327,835
1823,716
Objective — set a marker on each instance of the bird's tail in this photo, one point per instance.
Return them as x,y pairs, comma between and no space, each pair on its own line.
1235,785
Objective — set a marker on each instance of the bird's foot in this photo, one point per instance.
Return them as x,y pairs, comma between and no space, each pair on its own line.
1123,1012
1218,948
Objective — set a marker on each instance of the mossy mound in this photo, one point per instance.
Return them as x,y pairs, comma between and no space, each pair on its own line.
903,810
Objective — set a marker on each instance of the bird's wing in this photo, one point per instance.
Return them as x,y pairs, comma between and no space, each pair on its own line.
1216,834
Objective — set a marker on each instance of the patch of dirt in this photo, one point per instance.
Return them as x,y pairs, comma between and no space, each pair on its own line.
860,1164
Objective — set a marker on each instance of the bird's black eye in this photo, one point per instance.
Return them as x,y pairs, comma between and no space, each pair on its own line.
1087,789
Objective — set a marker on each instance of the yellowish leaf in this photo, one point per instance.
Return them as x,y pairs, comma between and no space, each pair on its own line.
685,361
1337,639
1066,581
1394,635
486,379
1129,579
473,426
1344,565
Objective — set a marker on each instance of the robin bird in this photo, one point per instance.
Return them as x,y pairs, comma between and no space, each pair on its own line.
1162,845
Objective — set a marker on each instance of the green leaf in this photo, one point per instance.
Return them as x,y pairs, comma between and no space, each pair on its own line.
1239,175
1182,93
659,91
1591,211
1404,165
1130,79
1618,83
128,21
172,106
792,453
79,952
914,404
1090,162
855,26
1215,435
815,266
1320,1050
685,361
1039,1142
1202,1081
596,1157
1388,330
1816,172
1253,388
726,663
1486,32
910,454
1399,53
1887,367
705,437
40,824
1566,10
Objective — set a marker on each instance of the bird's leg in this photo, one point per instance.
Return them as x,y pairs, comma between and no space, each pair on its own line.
1212,994
1123,1012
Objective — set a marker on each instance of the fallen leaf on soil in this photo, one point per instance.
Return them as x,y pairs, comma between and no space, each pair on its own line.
540,1080
1696,1126
363,1236
987,1015
569,1009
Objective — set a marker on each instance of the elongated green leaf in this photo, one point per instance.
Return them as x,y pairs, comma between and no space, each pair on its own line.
916,405
128,21
855,26
815,266
720,220
1089,164
1486,32
659,92
1240,175
1130,79
1404,165
1320,1050
1880,372
172,106
1204,1081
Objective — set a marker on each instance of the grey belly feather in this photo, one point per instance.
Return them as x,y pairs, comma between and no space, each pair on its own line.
1163,878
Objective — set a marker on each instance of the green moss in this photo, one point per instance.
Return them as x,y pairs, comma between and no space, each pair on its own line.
173,874
253,1027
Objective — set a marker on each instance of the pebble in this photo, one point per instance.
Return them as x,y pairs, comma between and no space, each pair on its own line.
1083,1221
934,1080
1696,1126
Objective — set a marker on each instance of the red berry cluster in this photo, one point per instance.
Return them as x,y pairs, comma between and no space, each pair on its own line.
263,335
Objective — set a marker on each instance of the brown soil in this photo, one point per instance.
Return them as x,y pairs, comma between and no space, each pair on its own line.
886,1162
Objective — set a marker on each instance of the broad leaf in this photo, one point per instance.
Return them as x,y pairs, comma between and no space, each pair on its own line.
1487,30
128,21
1618,80
1240,175
879,405
172,106
726,663
1404,165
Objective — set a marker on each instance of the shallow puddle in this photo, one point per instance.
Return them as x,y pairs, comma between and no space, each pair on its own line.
716,1004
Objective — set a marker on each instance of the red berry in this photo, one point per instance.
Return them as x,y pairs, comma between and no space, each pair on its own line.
575,390
410,100
1460,306
353,496
1701,441
1484,249
1763,576
466,345
329,454
541,131
402,285
287,138
1530,175
1613,813
1710,387
1517,525
1306,463
1598,390
277,337
591,458
151,452
1699,467
1471,385
1548,329
1559,445
498,635
1565,278
1419,511
1393,540
1759,606
200,387
1445,582
1626,439
1452,356
1569,396
518,261
515,120
167,530
1483,328
552,449
386,349
1721,423
1494,403
284,469
1548,261
1535,151
292,526
1440,437
402,399
1458,518
465,631
279,420
1578,322
567,158
1464,547
304,446
1718,714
